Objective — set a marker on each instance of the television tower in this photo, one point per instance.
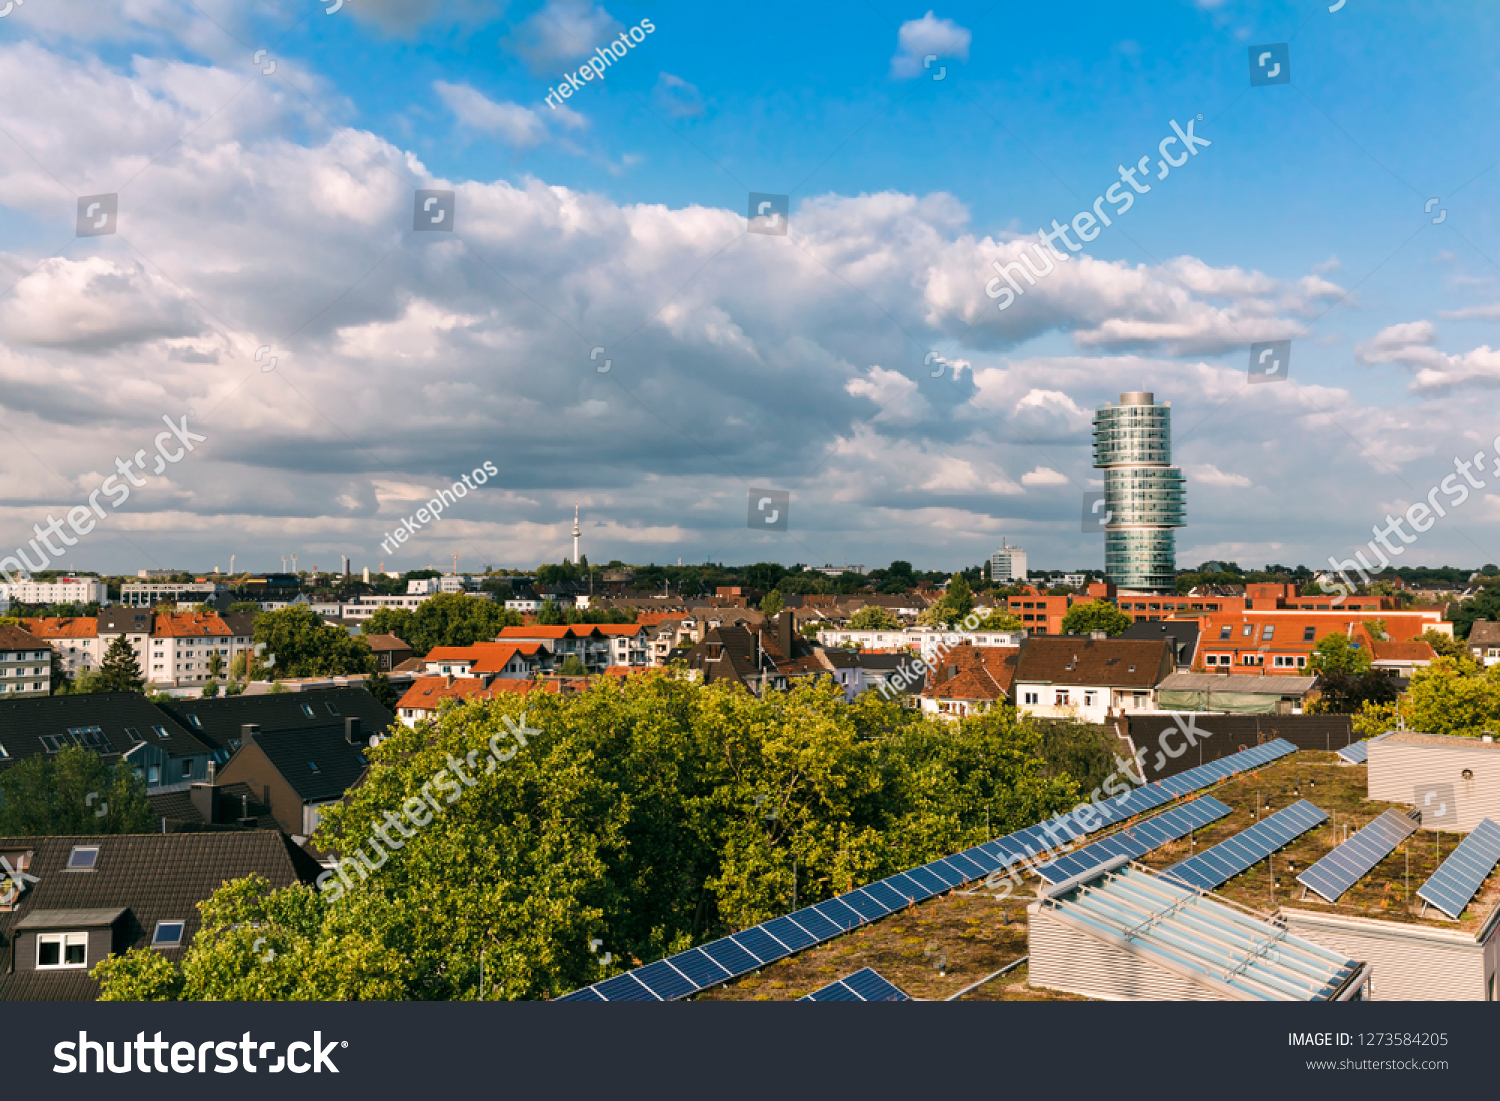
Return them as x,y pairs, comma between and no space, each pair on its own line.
576,533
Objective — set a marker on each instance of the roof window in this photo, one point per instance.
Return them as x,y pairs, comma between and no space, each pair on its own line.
83,858
307,710
332,709
168,934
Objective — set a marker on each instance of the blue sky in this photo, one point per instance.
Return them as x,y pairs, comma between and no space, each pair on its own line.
275,210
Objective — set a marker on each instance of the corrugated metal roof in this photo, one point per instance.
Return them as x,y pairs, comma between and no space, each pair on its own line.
1218,682
1234,952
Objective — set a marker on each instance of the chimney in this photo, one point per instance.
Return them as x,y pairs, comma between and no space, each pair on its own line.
248,731
352,733
786,624
202,796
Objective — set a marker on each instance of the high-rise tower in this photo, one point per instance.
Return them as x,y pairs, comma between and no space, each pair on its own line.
576,533
1143,492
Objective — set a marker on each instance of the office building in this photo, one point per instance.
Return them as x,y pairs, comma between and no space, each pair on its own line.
1143,492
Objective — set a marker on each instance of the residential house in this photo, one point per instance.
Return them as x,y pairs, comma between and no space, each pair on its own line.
25,664
596,645
84,899
425,697
509,660
1073,677
184,646
116,725
969,679
74,639
389,651
1484,641
134,625
220,722
762,659
299,772
1283,641
1182,634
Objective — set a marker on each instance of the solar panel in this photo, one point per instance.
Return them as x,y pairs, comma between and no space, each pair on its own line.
862,986
1218,865
731,957
1356,754
587,994
1351,861
1136,840
1453,885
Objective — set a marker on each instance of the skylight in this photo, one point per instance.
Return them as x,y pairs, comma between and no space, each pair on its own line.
332,710
307,710
83,858
168,934
160,731
196,721
314,766
133,734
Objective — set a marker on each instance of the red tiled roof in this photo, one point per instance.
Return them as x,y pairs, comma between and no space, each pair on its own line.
1416,650
189,625
385,642
429,692
63,627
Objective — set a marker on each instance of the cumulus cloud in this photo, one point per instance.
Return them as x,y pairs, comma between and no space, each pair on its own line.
1044,476
1210,475
1412,345
519,126
677,97
562,31
918,38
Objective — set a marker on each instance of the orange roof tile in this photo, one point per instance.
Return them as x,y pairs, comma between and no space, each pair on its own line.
63,627
189,625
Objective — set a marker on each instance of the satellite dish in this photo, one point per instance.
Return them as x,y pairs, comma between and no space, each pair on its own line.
374,740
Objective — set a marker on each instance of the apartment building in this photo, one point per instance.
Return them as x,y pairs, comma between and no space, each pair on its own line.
74,639
596,645
1282,641
64,590
148,594
25,664
183,646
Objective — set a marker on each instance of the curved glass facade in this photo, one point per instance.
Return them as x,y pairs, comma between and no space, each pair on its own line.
1143,493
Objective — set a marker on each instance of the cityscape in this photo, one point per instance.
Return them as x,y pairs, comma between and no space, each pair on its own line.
554,504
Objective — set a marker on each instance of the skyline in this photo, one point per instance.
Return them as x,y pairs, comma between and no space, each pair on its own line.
596,316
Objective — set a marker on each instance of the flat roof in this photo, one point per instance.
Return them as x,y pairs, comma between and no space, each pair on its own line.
1241,682
1447,741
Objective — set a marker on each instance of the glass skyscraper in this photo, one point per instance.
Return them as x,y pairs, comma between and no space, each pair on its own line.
1143,492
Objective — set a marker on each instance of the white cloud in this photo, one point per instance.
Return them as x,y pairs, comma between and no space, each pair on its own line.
1210,475
519,126
677,97
918,38
1411,345
1044,476
562,31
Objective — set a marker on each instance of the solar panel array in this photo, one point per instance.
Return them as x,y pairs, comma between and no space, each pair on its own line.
741,953
1356,753
862,986
1351,861
1218,865
1453,885
1136,840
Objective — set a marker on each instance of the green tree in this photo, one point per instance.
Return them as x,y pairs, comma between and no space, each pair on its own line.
550,615
872,617
1454,695
1444,645
61,682
52,796
952,607
380,686
1095,615
455,619
651,814
389,621
243,606
572,667
210,689
998,619
119,671
771,604
216,665
1335,653
237,666
306,646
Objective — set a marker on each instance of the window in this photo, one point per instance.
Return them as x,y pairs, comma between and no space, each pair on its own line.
1270,629
1030,697
1248,631
62,950
308,711
133,734
1212,659
1224,632
1308,632
53,743
90,736
187,770
1060,698
168,934
1088,699
83,858
314,766
160,732
332,710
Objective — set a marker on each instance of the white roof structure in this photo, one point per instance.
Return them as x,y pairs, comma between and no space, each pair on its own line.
1148,937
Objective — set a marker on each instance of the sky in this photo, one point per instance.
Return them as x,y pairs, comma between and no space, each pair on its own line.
597,316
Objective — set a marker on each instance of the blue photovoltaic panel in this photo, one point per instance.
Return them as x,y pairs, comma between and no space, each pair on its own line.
663,980
1351,861
1356,754
748,951
841,915
700,968
815,923
870,908
886,895
790,933
1228,859
1452,886
862,986
624,988
758,943
1136,840
587,994
731,957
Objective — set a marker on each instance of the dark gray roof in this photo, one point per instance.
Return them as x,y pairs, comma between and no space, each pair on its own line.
155,877
1182,633
318,763
119,619
221,718
178,806
24,722
1484,632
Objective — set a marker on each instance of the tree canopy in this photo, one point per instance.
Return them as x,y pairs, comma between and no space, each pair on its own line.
448,619
648,814
771,604
306,646
1337,653
119,671
872,617
1096,615
56,796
